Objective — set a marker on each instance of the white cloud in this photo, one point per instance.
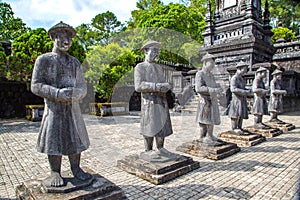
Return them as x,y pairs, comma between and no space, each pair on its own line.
45,13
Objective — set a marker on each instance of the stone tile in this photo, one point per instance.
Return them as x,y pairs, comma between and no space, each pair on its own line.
268,170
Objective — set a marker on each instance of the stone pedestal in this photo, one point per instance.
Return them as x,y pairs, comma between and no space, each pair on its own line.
157,172
209,151
242,140
271,132
97,188
283,126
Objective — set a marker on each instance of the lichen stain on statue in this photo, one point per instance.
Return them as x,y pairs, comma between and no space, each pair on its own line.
59,79
155,118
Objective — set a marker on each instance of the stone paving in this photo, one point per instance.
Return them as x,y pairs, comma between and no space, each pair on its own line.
267,171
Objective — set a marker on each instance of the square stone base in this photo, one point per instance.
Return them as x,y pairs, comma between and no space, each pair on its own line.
211,152
99,188
281,126
157,172
242,140
272,132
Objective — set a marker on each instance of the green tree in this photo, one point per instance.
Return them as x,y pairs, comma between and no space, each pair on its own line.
172,24
147,4
103,26
10,26
86,36
105,65
26,48
287,12
2,62
283,33
107,25
77,50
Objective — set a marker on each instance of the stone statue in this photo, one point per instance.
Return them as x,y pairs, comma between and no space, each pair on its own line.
238,105
58,78
155,118
208,111
260,106
275,103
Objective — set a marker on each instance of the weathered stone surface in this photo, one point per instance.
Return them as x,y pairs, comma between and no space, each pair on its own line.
71,184
242,140
211,152
281,126
271,132
99,188
157,172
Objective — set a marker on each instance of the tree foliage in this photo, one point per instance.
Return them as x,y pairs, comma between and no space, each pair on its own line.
26,48
103,26
105,65
177,17
10,26
77,50
2,62
86,36
172,24
147,4
283,33
287,12
107,25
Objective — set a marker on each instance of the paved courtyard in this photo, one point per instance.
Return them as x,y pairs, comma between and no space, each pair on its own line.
269,170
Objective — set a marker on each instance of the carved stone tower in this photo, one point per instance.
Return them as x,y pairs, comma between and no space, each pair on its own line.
237,31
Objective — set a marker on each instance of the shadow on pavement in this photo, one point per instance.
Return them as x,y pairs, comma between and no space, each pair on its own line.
270,149
236,166
188,191
19,127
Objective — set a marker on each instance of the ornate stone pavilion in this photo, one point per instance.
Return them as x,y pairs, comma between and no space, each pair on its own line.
237,31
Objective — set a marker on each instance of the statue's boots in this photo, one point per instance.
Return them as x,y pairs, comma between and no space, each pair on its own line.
261,126
239,131
164,152
277,121
212,141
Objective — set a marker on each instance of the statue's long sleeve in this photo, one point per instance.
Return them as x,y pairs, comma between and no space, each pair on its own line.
141,85
235,89
38,84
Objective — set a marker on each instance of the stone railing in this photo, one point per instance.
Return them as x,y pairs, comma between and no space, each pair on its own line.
109,109
34,112
287,50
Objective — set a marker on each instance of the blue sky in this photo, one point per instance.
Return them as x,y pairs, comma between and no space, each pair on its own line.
46,13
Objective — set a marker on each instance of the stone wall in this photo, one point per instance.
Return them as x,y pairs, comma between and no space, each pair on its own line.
14,96
288,55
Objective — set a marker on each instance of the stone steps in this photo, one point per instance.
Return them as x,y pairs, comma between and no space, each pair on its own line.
192,105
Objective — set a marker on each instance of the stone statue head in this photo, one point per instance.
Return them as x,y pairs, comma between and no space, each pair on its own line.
62,35
208,62
261,73
277,74
151,50
242,67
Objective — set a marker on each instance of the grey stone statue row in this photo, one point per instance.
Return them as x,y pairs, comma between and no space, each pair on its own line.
59,79
208,113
